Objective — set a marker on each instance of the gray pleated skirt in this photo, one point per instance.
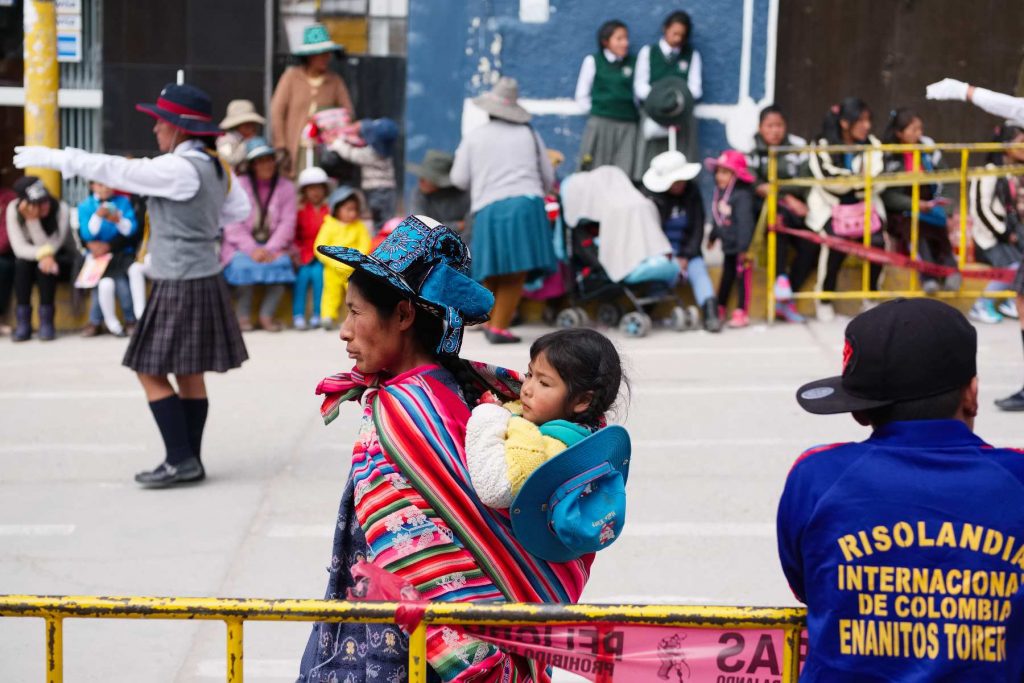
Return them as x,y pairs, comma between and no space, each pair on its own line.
609,142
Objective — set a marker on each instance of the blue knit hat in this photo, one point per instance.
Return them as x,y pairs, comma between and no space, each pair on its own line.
380,134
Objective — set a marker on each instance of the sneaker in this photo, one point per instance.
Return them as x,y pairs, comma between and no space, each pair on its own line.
953,282
314,322
786,310
328,324
739,319
824,312
245,324
1013,403
783,290
299,322
931,286
497,336
1008,309
92,330
984,311
268,324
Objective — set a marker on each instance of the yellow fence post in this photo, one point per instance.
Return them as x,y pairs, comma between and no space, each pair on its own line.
418,654
915,224
42,79
865,272
791,656
773,245
235,650
54,649
962,257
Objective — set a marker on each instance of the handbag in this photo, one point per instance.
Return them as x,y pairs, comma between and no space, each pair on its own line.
848,220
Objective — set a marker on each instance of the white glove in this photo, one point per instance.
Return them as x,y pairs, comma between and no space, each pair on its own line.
39,157
947,89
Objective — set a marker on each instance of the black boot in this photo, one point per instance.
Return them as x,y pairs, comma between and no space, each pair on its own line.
47,332
181,465
23,329
712,323
1014,403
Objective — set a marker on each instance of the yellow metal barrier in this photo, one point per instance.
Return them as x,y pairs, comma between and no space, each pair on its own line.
234,611
867,183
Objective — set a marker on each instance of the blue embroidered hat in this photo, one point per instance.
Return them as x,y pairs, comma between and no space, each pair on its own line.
427,261
575,503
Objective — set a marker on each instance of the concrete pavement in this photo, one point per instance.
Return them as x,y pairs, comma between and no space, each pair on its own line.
714,427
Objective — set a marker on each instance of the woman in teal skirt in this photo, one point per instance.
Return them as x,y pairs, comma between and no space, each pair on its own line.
505,167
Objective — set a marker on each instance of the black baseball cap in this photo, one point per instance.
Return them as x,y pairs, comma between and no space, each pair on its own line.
901,350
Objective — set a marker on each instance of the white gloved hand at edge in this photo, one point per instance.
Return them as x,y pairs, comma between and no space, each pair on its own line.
39,157
947,89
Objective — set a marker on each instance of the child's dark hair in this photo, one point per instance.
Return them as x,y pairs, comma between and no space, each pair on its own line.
607,30
351,198
768,111
679,17
588,363
899,119
1004,133
849,109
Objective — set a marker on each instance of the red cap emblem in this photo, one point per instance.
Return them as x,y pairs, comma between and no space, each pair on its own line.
847,354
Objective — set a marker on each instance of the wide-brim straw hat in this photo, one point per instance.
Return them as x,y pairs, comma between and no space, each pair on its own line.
436,167
239,112
502,101
668,168
256,148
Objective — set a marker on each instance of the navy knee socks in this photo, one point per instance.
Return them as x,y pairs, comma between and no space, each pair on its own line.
196,410
169,414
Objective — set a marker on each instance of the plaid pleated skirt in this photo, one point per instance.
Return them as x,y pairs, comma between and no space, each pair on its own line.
188,328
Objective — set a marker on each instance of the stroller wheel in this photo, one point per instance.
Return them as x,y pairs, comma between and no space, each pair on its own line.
635,324
609,314
570,317
680,319
693,316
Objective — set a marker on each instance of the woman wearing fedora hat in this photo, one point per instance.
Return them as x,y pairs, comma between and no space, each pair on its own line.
256,250
506,169
241,123
435,196
409,506
303,90
188,328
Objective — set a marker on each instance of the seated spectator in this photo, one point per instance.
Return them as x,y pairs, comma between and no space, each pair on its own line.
7,196
791,209
681,207
342,228
435,196
904,546
241,124
839,210
375,160
107,225
604,90
309,272
998,223
732,216
38,230
256,251
907,128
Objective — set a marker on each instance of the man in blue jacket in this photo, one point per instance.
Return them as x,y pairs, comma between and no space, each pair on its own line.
908,548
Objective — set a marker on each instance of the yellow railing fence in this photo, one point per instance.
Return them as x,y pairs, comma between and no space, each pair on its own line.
235,611
868,181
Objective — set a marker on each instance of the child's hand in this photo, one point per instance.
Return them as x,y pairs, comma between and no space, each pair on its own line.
103,211
683,264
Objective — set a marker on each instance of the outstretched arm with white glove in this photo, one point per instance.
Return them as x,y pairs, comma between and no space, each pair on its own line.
1006,106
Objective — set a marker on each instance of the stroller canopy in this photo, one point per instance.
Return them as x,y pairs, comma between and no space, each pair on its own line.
630,225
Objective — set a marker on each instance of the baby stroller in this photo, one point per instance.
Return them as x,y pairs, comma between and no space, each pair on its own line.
615,248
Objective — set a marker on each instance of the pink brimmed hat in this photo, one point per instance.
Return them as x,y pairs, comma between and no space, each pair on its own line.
732,160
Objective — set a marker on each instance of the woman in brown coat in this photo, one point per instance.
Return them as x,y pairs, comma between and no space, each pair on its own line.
303,90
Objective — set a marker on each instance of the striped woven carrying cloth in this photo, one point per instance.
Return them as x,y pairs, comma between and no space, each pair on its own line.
423,522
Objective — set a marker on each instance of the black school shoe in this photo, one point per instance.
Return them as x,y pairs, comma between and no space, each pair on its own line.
1013,403
166,475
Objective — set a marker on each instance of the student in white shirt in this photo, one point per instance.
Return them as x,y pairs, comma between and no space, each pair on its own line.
188,327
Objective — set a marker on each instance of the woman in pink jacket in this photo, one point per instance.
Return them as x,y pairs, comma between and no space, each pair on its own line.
255,250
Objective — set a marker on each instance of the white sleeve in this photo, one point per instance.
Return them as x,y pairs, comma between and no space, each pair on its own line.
1006,106
124,226
236,207
642,74
585,83
95,224
695,78
168,175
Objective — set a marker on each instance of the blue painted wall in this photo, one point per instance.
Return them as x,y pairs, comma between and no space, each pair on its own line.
458,47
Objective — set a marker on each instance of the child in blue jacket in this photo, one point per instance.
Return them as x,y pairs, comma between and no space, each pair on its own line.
107,225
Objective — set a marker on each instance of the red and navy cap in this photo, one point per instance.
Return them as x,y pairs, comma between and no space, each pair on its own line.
185,107
901,350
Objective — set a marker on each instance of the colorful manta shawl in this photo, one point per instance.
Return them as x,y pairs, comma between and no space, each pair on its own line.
422,520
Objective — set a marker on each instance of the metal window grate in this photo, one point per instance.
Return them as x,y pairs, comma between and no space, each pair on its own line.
83,128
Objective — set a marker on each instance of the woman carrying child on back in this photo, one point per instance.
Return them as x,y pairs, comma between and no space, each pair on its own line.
732,213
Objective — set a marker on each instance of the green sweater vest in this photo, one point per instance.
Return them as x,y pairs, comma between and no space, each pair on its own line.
662,66
612,94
